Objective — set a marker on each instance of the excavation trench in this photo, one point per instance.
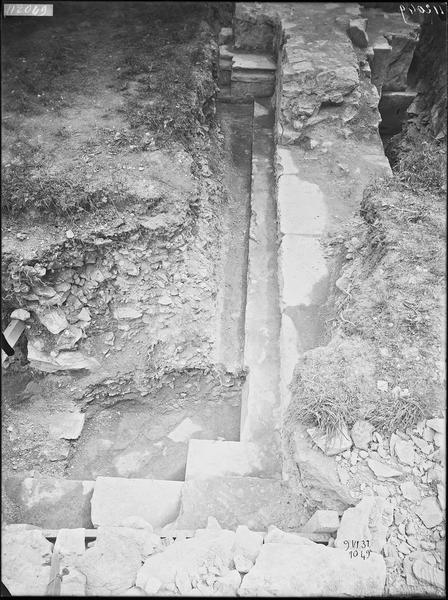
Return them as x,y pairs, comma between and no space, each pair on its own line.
223,376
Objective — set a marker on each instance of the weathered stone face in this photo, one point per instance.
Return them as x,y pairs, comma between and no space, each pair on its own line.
26,557
311,569
50,502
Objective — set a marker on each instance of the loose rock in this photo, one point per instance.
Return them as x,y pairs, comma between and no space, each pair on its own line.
20,314
429,574
429,512
310,569
331,444
410,491
437,425
382,470
361,433
405,452
368,520
26,557
55,321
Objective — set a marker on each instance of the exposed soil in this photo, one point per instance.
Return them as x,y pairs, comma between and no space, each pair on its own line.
97,102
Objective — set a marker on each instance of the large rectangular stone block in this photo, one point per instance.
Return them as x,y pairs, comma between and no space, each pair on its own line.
49,502
116,498
214,458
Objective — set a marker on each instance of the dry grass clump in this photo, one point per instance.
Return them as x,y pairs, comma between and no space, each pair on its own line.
332,385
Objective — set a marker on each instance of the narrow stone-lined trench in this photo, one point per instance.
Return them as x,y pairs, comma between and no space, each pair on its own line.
217,449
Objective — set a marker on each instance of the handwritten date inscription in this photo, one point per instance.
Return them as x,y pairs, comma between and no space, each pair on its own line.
358,548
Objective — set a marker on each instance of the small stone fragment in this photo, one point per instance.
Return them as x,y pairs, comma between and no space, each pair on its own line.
331,444
66,425
361,433
404,548
84,315
322,521
127,312
381,469
20,314
55,321
405,452
422,445
410,491
382,385
428,574
381,490
242,564
437,425
69,233
247,543
429,512
428,434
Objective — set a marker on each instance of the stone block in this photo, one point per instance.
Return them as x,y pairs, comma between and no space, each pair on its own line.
211,458
70,543
26,557
301,206
116,498
66,426
368,520
50,502
319,475
235,501
310,569
357,32
322,521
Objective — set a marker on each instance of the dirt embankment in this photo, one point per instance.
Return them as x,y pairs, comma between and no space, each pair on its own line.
112,200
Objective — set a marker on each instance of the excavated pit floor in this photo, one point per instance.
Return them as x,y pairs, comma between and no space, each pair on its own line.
149,439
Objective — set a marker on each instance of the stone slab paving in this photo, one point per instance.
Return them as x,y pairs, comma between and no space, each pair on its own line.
235,501
115,499
50,502
210,458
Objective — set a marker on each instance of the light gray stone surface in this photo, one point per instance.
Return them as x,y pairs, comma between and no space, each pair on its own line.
311,569
214,458
26,557
51,502
368,520
235,501
115,498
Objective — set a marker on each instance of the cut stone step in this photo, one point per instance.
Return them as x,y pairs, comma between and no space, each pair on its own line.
235,501
49,502
116,498
211,458
252,83
253,62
